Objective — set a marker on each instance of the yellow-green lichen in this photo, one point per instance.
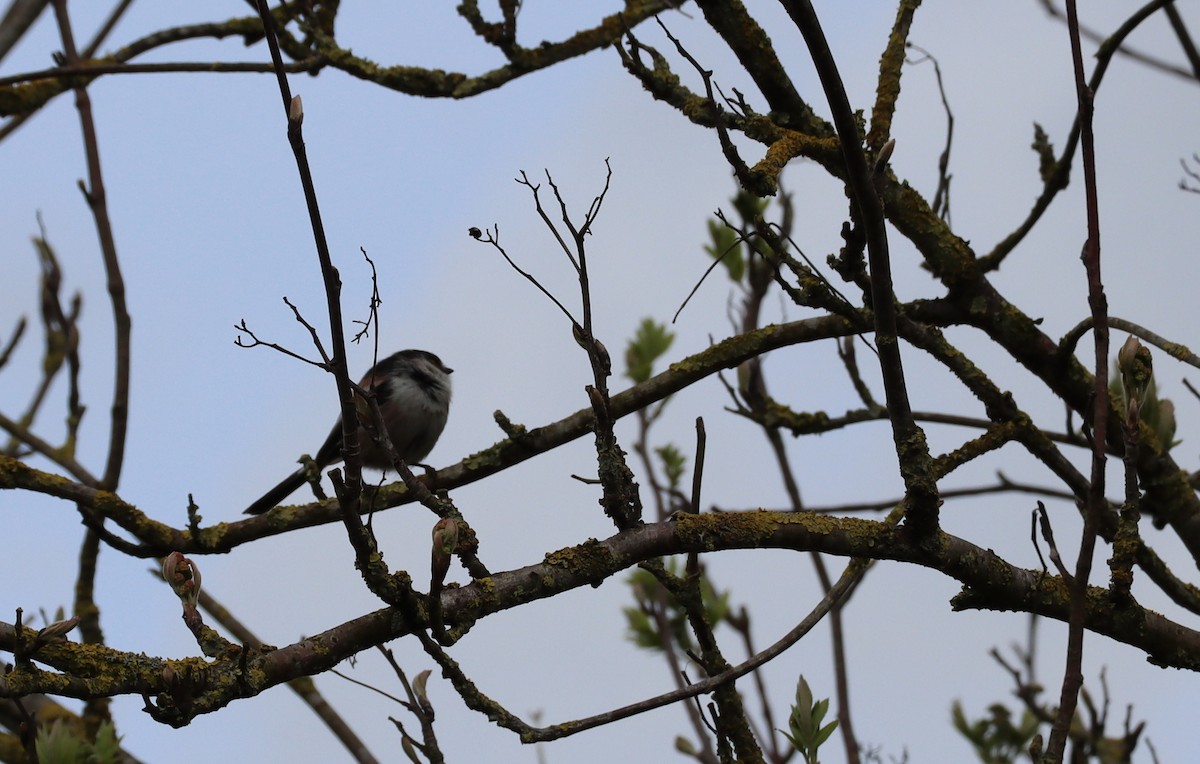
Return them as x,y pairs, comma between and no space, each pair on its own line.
591,559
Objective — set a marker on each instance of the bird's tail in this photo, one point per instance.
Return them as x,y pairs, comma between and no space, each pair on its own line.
271,498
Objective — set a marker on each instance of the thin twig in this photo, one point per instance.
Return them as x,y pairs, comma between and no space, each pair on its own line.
97,201
371,566
1136,55
1185,38
1095,505
253,341
303,687
749,180
418,704
698,469
911,448
941,196
492,237
479,702
106,28
1056,177
1048,534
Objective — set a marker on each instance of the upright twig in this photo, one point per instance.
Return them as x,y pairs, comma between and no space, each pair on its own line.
61,332
97,200
753,390
371,566
394,589
620,498
1056,175
1095,505
911,448
94,194
656,603
418,704
941,196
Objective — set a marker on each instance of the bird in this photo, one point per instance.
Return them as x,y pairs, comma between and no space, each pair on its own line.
412,388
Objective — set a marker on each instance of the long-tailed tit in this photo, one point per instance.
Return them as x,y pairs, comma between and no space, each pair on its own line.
412,388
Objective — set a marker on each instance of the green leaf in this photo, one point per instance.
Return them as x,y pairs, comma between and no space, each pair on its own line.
749,206
820,708
727,248
640,630
807,734
802,711
649,342
59,744
674,463
795,743
824,733
107,748
994,737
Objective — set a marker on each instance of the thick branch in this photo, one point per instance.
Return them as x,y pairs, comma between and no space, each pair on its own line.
989,582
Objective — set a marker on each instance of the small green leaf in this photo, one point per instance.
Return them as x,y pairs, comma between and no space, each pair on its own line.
727,248
649,343
807,734
59,744
674,463
824,733
749,206
107,748
640,630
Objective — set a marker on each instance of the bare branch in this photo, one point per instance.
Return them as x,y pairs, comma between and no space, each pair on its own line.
911,448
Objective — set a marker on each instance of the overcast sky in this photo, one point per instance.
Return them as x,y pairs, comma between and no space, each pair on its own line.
211,228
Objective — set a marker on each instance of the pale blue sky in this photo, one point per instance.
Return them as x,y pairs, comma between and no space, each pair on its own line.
211,228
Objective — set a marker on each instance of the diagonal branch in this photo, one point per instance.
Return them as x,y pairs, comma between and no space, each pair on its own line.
1056,178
